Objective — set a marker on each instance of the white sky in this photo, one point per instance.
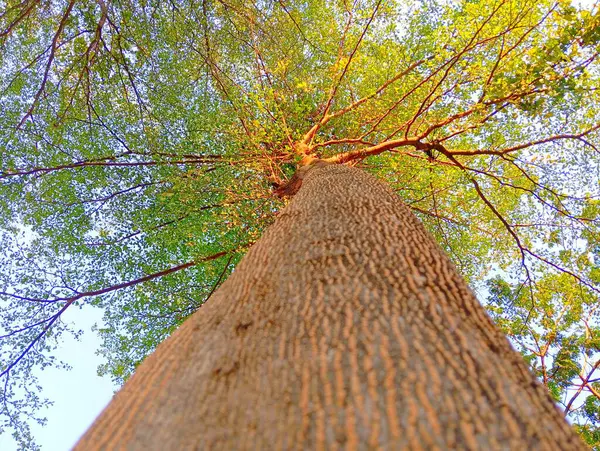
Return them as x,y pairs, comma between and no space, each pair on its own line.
79,395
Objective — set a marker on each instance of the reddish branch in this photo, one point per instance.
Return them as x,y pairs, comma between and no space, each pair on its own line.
523,249
70,300
584,382
577,136
297,26
304,146
88,57
327,117
456,58
53,47
480,105
168,223
28,7
360,154
311,133
131,235
81,164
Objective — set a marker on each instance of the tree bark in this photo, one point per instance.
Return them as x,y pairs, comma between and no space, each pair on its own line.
345,326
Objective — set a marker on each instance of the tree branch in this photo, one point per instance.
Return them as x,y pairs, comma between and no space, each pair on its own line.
55,39
70,300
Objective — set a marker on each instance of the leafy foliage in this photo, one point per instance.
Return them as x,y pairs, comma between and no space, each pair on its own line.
141,141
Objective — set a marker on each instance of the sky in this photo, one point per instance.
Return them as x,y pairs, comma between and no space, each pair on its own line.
79,395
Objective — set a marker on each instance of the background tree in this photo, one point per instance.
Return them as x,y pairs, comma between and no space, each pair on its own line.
141,142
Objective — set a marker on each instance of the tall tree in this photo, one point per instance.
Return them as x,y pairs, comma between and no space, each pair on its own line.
345,325
141,142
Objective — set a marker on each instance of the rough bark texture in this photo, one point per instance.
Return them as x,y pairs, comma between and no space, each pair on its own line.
344,327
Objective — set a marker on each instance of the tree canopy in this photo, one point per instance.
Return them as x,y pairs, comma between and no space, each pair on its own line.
143,144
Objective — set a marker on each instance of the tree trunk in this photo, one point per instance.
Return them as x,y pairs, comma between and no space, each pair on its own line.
345,326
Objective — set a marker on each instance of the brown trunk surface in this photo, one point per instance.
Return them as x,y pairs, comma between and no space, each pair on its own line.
344,327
